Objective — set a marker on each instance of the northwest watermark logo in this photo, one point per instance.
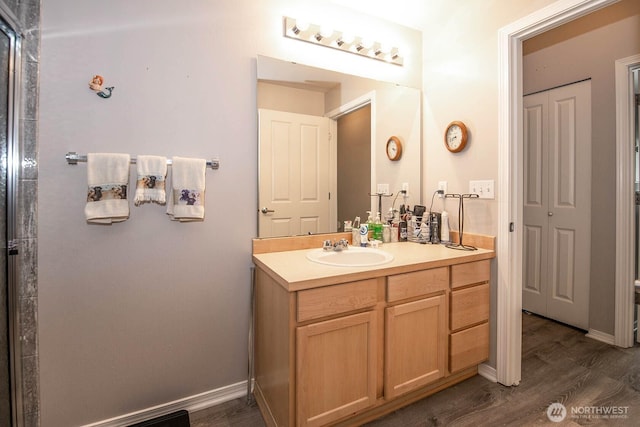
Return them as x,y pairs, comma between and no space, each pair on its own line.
557,412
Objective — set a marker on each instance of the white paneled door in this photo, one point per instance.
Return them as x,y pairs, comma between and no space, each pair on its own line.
294,174
557,203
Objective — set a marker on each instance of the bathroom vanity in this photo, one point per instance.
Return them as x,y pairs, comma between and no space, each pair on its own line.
342,345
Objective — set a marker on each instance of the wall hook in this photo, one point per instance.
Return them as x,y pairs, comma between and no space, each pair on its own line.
96,85
103,94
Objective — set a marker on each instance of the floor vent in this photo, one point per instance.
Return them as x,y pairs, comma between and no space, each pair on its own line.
175,419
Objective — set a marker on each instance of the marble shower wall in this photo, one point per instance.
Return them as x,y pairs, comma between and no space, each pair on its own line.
27,13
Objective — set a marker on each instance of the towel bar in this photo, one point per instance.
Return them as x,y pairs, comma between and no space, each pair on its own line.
73,158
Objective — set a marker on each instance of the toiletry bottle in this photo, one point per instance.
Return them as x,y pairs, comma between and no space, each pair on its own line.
377,228
444,230
395,228
390,216
435,231
409,227
369,225
355,232
386,233
364,235
425,230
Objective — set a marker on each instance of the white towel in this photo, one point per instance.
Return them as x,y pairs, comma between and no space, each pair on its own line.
186,197
108,179
150,184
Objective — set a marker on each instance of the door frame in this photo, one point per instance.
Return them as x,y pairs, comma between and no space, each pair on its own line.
625,206
510,174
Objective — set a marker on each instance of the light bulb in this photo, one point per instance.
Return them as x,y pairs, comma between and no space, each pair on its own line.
385,48
326,31
345,38
300,26
366,43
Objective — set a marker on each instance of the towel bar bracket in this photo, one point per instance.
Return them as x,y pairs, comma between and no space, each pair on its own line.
73,158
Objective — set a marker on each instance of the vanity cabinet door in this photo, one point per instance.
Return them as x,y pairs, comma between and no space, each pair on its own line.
335,368
416,345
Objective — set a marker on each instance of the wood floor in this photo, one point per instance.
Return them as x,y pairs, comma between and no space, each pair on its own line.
559,364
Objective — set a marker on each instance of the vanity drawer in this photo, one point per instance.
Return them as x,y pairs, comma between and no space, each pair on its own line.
469,306
331,300
417,283
470,273
469,347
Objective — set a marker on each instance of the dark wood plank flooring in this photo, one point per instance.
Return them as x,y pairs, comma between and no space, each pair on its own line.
559,364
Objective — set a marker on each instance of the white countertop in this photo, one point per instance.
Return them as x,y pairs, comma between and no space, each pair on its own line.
294,271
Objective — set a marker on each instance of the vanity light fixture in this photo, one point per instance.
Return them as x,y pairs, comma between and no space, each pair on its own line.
324,36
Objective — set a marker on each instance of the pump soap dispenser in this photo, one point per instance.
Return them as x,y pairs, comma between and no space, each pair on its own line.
377,228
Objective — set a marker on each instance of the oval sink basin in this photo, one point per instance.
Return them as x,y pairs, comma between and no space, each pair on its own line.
352,257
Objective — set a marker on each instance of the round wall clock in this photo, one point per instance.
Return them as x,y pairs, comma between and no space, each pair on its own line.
394,148
455,137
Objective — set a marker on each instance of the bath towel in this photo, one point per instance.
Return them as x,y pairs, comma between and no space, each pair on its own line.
108,179
150,184
186,197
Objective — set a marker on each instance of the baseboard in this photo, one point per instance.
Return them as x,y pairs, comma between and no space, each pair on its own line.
191,404
601,336
488,372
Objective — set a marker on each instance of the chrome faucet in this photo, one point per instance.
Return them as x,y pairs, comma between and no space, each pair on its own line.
329,245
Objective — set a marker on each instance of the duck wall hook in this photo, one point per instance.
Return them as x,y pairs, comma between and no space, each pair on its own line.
96,85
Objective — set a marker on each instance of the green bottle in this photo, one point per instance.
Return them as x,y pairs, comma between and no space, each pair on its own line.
370,221
377,228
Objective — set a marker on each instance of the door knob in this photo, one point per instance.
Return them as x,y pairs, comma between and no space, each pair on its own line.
550,213
265,211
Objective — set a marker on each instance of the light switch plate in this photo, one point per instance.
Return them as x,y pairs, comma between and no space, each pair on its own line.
483,188
383,189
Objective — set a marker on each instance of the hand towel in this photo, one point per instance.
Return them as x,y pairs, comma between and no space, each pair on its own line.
108,179
150,184
186,197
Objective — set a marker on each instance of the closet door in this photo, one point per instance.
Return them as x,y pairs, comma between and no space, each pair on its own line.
557,198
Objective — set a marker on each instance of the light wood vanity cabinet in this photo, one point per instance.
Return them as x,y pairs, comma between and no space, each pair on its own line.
469,315
347,353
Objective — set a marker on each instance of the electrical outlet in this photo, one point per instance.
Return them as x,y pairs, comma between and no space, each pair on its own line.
405,187
483,188
442,185
383,189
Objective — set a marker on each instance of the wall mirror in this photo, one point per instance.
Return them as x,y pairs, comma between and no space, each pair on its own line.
322,147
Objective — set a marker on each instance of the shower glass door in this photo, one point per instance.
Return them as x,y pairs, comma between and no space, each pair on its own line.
7,187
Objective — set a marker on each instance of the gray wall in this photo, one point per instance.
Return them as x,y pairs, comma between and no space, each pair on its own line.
588,48
149,311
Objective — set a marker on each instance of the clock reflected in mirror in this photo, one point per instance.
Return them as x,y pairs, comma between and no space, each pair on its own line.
394,148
